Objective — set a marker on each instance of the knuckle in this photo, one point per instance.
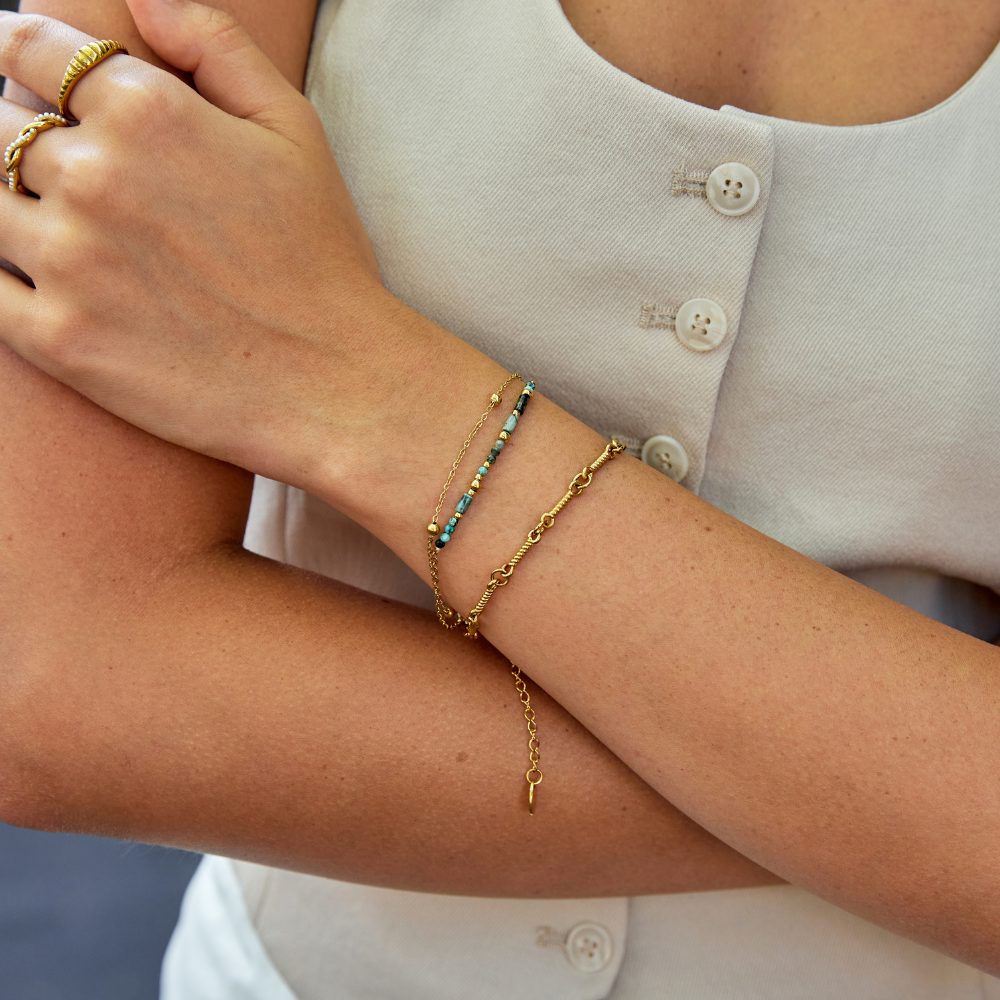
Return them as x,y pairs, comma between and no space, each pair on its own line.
126,94
144,103
63,253
25,34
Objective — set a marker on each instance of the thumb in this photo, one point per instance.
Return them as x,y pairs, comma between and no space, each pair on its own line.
228,68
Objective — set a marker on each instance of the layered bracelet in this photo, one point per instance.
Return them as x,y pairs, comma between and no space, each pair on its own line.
439,535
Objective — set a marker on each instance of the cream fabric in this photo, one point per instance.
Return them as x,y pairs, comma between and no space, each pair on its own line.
549,209
335,940
215,953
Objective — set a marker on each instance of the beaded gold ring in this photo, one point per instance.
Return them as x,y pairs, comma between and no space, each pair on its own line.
13,153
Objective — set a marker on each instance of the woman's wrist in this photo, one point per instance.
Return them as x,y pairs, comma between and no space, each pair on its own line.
379,441
385,464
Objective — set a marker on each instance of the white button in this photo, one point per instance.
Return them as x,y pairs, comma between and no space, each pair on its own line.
700,324
667,455
589,947
732,189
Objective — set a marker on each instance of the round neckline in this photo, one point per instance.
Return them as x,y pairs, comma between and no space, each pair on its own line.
732,110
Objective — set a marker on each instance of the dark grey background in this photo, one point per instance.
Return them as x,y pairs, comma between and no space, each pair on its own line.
83,918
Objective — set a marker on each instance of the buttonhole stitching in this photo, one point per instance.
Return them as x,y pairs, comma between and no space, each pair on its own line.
549,937
656,316
690,182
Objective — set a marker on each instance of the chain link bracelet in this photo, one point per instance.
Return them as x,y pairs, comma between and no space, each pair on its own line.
500,577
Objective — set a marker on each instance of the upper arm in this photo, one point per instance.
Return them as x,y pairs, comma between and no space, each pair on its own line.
85,495
82,493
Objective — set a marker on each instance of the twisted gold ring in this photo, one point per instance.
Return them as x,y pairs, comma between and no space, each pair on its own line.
27,135
86,58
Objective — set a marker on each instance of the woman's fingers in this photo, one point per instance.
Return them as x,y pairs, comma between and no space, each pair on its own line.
35,52
19,222
15,309
228,68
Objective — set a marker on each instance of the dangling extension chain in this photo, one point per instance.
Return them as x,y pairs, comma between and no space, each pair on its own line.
534,775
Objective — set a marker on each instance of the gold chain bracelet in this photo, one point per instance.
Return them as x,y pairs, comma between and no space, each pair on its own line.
446,614
501,576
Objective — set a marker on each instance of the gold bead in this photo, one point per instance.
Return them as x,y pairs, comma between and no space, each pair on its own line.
474,485
504,436
432,528
496,398
456,514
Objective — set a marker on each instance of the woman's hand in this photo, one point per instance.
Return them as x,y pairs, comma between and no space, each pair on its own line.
198,266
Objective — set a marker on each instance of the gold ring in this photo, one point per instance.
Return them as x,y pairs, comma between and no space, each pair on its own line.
86,58
27,135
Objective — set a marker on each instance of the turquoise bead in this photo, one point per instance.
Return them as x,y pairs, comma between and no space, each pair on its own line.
498,447
463,505
452,521
483,469
446,537
511,423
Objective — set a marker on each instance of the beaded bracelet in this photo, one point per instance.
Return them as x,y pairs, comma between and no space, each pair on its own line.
447,615
508,428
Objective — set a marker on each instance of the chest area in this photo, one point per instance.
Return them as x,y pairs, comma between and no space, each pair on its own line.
847,62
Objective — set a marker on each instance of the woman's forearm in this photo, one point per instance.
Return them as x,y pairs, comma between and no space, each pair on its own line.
160,683
837,737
